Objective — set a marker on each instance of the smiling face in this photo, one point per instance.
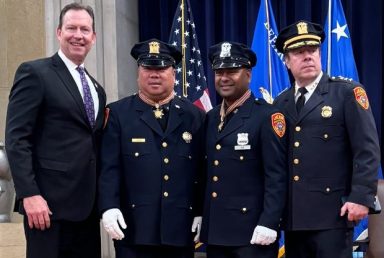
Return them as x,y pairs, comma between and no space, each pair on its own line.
76,35
304,63
232,83
156,83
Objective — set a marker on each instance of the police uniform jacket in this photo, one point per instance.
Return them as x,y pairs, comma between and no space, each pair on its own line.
246,173
333,154
151,175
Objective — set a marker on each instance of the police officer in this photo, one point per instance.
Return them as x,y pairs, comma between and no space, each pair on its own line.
333,150
246,162
151,157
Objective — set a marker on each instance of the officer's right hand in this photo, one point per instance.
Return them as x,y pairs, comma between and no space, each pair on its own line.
111,220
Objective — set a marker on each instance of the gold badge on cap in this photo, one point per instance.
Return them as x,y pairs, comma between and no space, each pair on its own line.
187,137
326,111
154,47
278,124
361,97
302,28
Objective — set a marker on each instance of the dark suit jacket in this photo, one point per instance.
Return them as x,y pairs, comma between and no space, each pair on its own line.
153,176
334,153
51,147
246,187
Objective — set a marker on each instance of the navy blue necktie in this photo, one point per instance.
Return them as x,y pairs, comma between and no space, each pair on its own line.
301,100
87,97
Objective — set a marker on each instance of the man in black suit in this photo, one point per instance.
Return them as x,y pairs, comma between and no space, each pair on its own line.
246,163
54,121
151,162
333,150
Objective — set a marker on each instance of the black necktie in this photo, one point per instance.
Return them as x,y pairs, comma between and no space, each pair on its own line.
301,100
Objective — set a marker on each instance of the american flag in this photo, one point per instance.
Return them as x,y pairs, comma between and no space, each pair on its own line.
190,78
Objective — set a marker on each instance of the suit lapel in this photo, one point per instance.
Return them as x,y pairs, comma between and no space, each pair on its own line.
237,119
147,116
67,80
290,105
175,116
102,101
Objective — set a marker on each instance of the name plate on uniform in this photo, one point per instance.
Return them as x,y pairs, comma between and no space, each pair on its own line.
138,139
242,147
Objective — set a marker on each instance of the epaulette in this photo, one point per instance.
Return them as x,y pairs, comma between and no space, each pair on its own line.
341,79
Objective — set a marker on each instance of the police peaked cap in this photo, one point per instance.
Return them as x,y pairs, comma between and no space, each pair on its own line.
231,55
299,34
155,53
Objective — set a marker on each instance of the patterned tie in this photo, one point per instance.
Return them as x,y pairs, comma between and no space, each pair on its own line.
87,97
301,100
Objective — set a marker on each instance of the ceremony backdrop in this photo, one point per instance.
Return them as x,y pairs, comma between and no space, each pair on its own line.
234,20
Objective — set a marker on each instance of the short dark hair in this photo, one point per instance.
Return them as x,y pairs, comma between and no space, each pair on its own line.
76,6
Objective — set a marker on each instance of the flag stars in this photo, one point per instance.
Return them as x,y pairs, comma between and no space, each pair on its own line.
198,87
179,19
184,45
193,49
192,61
178,70
193,25
340,31
190,73
174,43
177,31
199,75
188,21
186,33
198,62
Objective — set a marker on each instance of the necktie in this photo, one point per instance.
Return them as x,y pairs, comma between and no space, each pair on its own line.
301,100
87,97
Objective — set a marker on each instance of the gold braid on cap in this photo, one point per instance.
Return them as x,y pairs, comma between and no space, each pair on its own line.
301,37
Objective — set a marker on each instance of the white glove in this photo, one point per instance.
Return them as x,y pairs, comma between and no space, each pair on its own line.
196,227
110,219
263,236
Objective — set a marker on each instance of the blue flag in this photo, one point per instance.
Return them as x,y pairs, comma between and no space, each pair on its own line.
190,78
336,52
338,60
269,76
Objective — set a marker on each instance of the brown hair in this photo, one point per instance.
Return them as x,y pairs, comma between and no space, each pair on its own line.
76,6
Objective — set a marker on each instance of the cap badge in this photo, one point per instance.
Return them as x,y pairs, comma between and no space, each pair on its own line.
225,49
187,137
302,28
154,47
326,111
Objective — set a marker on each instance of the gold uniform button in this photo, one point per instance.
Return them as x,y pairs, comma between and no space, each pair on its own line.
214,194
244,210
297,128
215,178
327,189
166,177
166,160
218,147
164,144
190,157
297,144
136,154
296,161
216,162
325,136
133,206
165,194
296,178
241,157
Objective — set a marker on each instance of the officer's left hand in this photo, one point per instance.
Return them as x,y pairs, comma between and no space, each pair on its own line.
355,211
263,236
196,227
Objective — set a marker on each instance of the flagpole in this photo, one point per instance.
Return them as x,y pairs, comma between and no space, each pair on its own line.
329,41
269,48
185,90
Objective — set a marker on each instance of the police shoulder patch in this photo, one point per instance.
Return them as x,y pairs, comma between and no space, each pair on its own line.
106,116
361,97
278,124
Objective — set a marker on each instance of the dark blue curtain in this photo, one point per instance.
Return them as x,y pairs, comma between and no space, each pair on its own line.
218,20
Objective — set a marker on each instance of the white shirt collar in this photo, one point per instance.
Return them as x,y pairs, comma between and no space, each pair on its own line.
68,63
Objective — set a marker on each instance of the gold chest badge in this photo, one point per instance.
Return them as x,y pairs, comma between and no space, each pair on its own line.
326,111
187,137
